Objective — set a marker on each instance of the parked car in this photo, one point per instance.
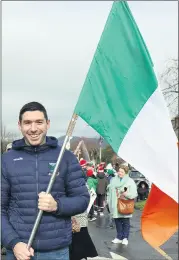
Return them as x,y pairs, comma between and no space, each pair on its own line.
140,179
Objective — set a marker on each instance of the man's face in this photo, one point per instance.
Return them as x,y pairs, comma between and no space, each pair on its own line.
34,127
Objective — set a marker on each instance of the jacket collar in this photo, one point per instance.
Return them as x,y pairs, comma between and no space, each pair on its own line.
51,142
118,183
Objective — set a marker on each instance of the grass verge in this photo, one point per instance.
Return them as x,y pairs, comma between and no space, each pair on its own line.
140,204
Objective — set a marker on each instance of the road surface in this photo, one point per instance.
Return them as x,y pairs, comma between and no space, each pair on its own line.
137,249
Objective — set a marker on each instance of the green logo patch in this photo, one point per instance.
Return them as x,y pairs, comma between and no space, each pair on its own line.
51,167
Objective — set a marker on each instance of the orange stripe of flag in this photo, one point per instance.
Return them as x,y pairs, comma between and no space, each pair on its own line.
159,217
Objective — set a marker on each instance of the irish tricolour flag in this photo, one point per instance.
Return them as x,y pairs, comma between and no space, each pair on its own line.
122,101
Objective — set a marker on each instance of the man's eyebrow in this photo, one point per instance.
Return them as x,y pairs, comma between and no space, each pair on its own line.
28,121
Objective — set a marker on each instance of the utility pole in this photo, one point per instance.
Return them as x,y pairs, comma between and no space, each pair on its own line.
100,154
100,148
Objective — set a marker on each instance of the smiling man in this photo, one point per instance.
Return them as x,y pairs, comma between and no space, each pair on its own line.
34,126
26,171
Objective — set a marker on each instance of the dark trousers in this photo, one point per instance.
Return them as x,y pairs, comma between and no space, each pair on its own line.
122,227
91,213
100,202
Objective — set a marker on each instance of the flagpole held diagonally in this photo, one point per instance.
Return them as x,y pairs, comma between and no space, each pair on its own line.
40,213
161,252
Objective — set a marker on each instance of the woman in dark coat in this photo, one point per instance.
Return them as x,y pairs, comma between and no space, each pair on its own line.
82,245
143,191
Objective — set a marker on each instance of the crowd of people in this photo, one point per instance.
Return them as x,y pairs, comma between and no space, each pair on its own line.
110,183
63,231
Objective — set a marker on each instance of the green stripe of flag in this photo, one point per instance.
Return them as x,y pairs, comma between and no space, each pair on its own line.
120,79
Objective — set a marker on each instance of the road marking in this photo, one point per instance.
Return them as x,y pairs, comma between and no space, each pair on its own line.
99,258
113,255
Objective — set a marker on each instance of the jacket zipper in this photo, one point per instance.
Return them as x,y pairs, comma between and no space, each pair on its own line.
36,165
37,185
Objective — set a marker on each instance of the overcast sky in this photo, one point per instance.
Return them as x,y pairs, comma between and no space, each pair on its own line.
47,48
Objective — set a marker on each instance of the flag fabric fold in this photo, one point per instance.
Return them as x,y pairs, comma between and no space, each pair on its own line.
159,218
122,101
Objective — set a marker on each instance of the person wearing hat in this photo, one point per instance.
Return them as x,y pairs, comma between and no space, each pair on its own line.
92,184
83,164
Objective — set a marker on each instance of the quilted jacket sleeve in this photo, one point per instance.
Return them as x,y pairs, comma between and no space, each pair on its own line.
132,190
8,235
78,197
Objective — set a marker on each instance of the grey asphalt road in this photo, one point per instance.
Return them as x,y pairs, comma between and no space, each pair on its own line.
137,249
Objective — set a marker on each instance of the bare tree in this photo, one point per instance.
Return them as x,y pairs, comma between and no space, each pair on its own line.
94,154
7,137
169,79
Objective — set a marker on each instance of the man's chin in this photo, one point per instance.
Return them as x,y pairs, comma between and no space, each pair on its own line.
35,142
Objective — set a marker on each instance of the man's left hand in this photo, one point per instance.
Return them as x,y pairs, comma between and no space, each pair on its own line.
46,202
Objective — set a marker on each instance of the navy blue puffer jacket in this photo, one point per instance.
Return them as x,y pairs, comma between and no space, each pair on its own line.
26,172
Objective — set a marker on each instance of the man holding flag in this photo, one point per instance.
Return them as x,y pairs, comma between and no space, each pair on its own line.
26,172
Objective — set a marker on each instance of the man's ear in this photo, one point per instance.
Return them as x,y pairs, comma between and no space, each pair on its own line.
48,124
19,125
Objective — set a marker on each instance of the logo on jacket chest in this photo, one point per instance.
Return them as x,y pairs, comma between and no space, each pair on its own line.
51,167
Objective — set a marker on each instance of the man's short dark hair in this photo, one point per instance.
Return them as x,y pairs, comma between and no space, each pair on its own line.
33,106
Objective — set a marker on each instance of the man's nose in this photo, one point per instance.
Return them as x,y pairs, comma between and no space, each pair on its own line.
33,127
